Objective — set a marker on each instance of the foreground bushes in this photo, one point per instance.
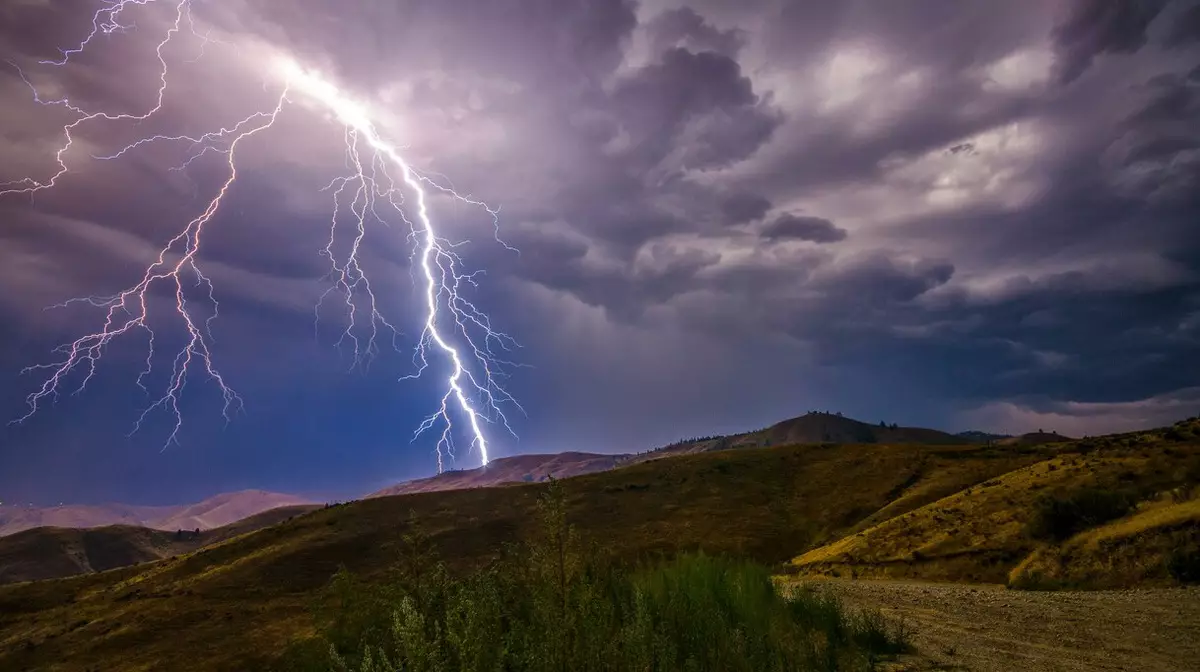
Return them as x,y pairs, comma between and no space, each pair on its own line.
547,606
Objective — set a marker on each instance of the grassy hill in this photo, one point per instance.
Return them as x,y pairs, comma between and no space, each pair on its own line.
236,604
56,552
1158,545
810,428
1033,439
1117,509
813,427
1101,512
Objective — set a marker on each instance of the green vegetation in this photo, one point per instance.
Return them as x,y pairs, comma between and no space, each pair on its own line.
550,606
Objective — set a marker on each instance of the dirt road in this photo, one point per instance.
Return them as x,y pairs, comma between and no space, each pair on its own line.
985,628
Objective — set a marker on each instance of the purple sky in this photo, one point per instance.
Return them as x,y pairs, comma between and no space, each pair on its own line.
959,214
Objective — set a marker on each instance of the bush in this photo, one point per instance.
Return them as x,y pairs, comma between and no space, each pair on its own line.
545,606
1183,563
1057,517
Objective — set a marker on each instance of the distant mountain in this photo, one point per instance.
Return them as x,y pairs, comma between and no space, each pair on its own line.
833,428
815,427
1033,439
517,469
14,519
982,437
224,509
810,428
210,513
55,552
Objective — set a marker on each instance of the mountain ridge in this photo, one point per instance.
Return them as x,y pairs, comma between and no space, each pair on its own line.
814,427
212,512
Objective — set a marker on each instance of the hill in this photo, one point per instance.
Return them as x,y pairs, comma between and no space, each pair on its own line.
14,519
55,552
1033,439
517,469
225,509
813,427
833,428
236,604
1113,511
210,513
975,436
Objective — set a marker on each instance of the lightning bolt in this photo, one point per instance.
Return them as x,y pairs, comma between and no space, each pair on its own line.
378,184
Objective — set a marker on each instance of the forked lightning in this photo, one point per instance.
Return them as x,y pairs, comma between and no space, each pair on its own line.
375,188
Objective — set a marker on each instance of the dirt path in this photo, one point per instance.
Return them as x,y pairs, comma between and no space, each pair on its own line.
985,628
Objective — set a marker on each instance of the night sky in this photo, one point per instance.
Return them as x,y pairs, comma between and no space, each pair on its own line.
957,214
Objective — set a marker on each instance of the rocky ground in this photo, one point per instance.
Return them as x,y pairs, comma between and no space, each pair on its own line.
984,628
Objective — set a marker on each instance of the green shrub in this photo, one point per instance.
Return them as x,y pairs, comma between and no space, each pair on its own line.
1057,517
547,606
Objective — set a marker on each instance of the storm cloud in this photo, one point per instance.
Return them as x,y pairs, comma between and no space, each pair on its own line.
968,215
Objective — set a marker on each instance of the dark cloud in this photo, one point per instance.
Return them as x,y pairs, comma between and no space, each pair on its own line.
742,207
697,108
1096,27
1186,28
684,27
1023,253
798,227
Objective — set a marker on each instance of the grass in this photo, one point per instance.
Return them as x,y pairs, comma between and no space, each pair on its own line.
982,533
1159,545
236,604
548,607
55,552
935,512
1059,516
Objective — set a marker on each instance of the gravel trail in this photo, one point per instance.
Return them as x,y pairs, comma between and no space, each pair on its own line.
985,628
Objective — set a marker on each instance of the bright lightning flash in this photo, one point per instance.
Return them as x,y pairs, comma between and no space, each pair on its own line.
376,184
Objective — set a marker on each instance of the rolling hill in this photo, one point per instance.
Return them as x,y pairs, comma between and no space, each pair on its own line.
810,428
1132,498
14,519
210,513
236,604
56,552
926,511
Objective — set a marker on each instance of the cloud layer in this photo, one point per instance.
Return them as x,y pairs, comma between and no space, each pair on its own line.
960,214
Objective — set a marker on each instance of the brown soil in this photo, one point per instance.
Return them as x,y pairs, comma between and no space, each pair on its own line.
985,627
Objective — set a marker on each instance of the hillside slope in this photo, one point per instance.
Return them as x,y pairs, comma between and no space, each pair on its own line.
1155,546
516,469
983,533
812,428
55,552
225,509
235,605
